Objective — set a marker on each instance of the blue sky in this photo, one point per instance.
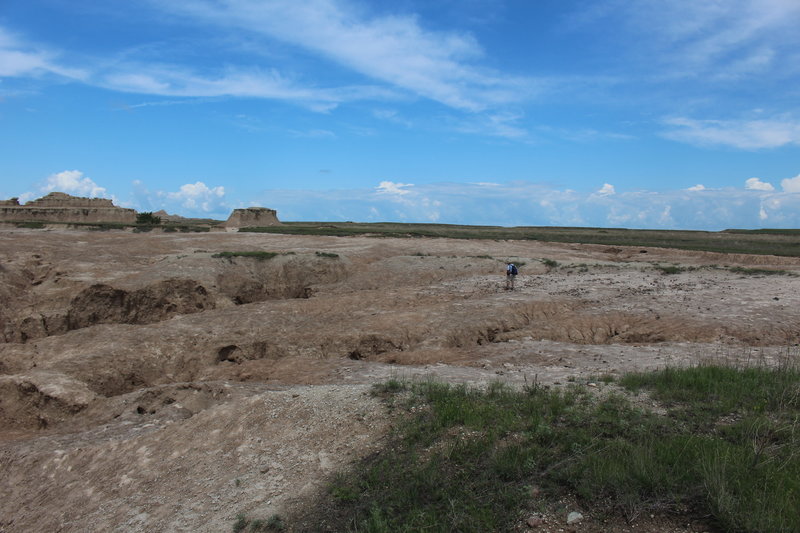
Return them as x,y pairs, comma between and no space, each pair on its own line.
646,114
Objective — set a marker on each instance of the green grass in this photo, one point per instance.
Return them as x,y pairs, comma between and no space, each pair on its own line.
760,271
775,242
262,256
30,225
464,459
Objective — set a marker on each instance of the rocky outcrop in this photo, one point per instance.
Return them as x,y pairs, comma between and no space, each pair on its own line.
61,207
252,217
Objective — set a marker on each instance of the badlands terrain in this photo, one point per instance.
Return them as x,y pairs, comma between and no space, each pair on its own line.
147,385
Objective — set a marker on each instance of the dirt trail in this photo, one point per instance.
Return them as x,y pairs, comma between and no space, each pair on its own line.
147,385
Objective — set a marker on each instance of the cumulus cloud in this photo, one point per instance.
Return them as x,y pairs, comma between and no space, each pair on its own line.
755,184
73,182
791,184
198,195
390,187
606,190
698,187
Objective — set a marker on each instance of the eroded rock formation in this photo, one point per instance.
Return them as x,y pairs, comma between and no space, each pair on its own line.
61,207
252,217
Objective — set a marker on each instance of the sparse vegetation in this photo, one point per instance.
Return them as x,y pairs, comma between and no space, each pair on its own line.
760,271
772,242
30,225
550,263
263,256
464,459
102,226
327,255
148,218
670,269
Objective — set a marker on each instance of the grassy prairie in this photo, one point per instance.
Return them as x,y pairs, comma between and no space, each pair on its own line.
464,459
765,242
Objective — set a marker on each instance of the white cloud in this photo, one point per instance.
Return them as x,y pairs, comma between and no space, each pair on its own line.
391,49
666,217
715,40
698,187
178,81
606,190
198,196
313,134
72,182
500,124
389,187
531,204
791,184
746,134
755,184
19,59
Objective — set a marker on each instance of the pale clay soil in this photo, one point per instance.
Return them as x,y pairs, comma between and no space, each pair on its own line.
148,386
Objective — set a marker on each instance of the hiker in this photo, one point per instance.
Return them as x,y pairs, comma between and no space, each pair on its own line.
511,274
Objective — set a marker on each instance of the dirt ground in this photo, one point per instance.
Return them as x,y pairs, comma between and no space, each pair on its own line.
146,385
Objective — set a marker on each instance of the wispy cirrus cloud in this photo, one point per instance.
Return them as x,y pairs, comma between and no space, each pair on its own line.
164,80
711,40
395,50
18,58
396,56
745,134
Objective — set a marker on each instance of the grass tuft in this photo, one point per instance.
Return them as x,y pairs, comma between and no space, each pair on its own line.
272,524
262,256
